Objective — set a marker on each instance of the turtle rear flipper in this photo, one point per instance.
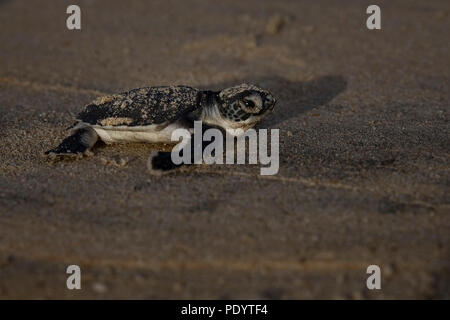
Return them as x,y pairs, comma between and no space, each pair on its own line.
80,141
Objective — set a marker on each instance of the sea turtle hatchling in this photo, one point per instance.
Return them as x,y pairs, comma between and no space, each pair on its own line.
151,114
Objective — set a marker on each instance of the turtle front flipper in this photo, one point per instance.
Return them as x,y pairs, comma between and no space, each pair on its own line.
160,162
79,142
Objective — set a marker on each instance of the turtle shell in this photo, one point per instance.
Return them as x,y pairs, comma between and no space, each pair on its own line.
141,107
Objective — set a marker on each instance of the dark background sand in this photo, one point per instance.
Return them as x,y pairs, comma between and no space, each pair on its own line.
364,152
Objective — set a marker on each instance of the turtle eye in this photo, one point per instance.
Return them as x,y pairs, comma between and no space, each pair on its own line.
249,103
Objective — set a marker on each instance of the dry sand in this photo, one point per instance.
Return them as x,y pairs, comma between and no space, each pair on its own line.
364,151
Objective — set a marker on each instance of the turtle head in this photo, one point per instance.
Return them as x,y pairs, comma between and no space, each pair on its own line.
245,105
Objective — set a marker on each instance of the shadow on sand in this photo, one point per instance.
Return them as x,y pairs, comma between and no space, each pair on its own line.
295,98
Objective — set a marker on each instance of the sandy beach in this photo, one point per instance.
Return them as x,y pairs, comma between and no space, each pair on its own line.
364,152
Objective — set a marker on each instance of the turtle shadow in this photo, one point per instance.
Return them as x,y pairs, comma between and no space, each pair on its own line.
294,97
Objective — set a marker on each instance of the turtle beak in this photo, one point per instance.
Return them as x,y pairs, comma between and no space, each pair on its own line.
270,101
